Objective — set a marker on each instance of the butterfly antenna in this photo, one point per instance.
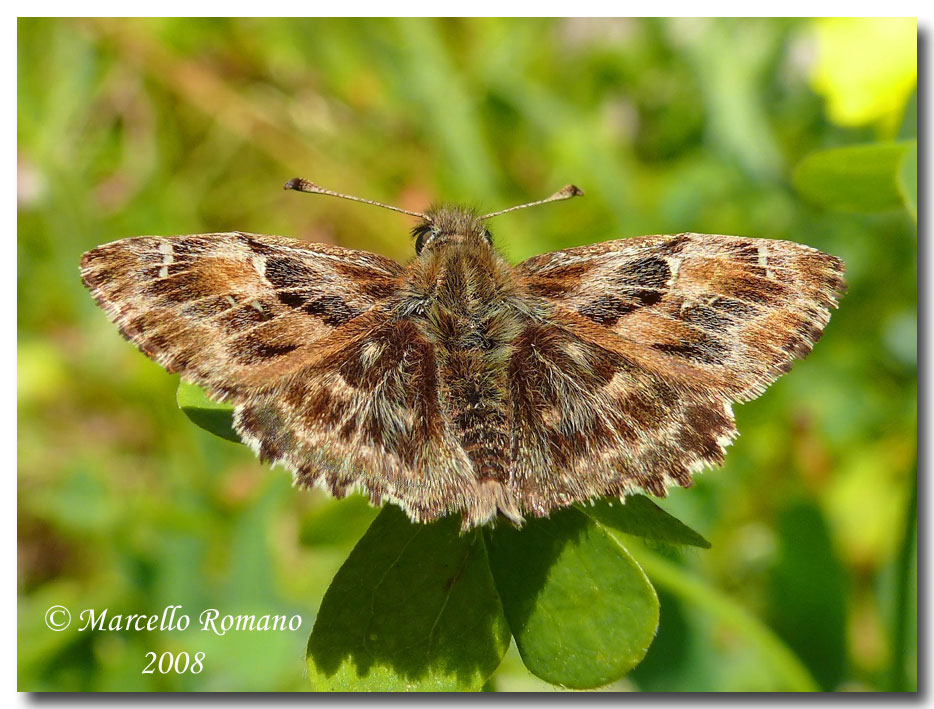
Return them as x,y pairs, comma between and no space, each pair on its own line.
300,185
565,192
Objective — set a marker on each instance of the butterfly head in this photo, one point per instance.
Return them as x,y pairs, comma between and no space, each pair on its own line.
448,225
441,225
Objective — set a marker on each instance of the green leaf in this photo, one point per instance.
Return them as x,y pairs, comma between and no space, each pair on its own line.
858,178
908,180
210,415
909,127
413,608
581,610
641,517
807,593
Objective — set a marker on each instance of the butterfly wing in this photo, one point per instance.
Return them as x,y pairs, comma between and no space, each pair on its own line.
302,339
367,413
628,381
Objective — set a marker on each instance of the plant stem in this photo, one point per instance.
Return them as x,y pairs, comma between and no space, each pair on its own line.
898,680
675,580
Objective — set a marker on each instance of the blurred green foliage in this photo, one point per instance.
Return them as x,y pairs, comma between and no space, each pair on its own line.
184,126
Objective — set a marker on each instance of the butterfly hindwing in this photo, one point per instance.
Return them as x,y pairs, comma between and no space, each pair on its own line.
593,418
367,414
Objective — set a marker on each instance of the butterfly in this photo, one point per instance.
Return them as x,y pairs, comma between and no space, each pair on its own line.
459,383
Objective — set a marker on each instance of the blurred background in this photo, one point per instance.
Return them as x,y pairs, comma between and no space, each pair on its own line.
184,126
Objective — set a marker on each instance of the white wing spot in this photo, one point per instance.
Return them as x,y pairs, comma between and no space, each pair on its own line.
168,258
764,261
259,263
674,265
369,353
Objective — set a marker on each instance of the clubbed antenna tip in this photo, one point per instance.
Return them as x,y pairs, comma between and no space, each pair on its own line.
300,185
565,192
569,191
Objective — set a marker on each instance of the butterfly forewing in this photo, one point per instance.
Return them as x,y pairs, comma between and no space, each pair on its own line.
730,312
233,312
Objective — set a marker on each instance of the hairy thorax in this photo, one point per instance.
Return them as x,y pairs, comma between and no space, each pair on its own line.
464,300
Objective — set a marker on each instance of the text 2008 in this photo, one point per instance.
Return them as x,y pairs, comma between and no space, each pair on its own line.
179,663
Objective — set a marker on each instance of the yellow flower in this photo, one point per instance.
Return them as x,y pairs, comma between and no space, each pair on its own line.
866,68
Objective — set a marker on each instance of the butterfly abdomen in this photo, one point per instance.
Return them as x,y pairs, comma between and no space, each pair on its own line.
464,294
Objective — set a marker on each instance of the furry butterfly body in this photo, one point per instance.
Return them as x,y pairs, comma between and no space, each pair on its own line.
459,383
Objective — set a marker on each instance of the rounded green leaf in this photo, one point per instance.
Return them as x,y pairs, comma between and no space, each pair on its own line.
858,178
413,608
582,611
210,415
639,516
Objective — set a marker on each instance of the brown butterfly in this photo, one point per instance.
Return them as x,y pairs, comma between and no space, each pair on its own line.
459,383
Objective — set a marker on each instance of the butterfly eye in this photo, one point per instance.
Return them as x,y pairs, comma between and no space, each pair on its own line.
488,236
423,235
